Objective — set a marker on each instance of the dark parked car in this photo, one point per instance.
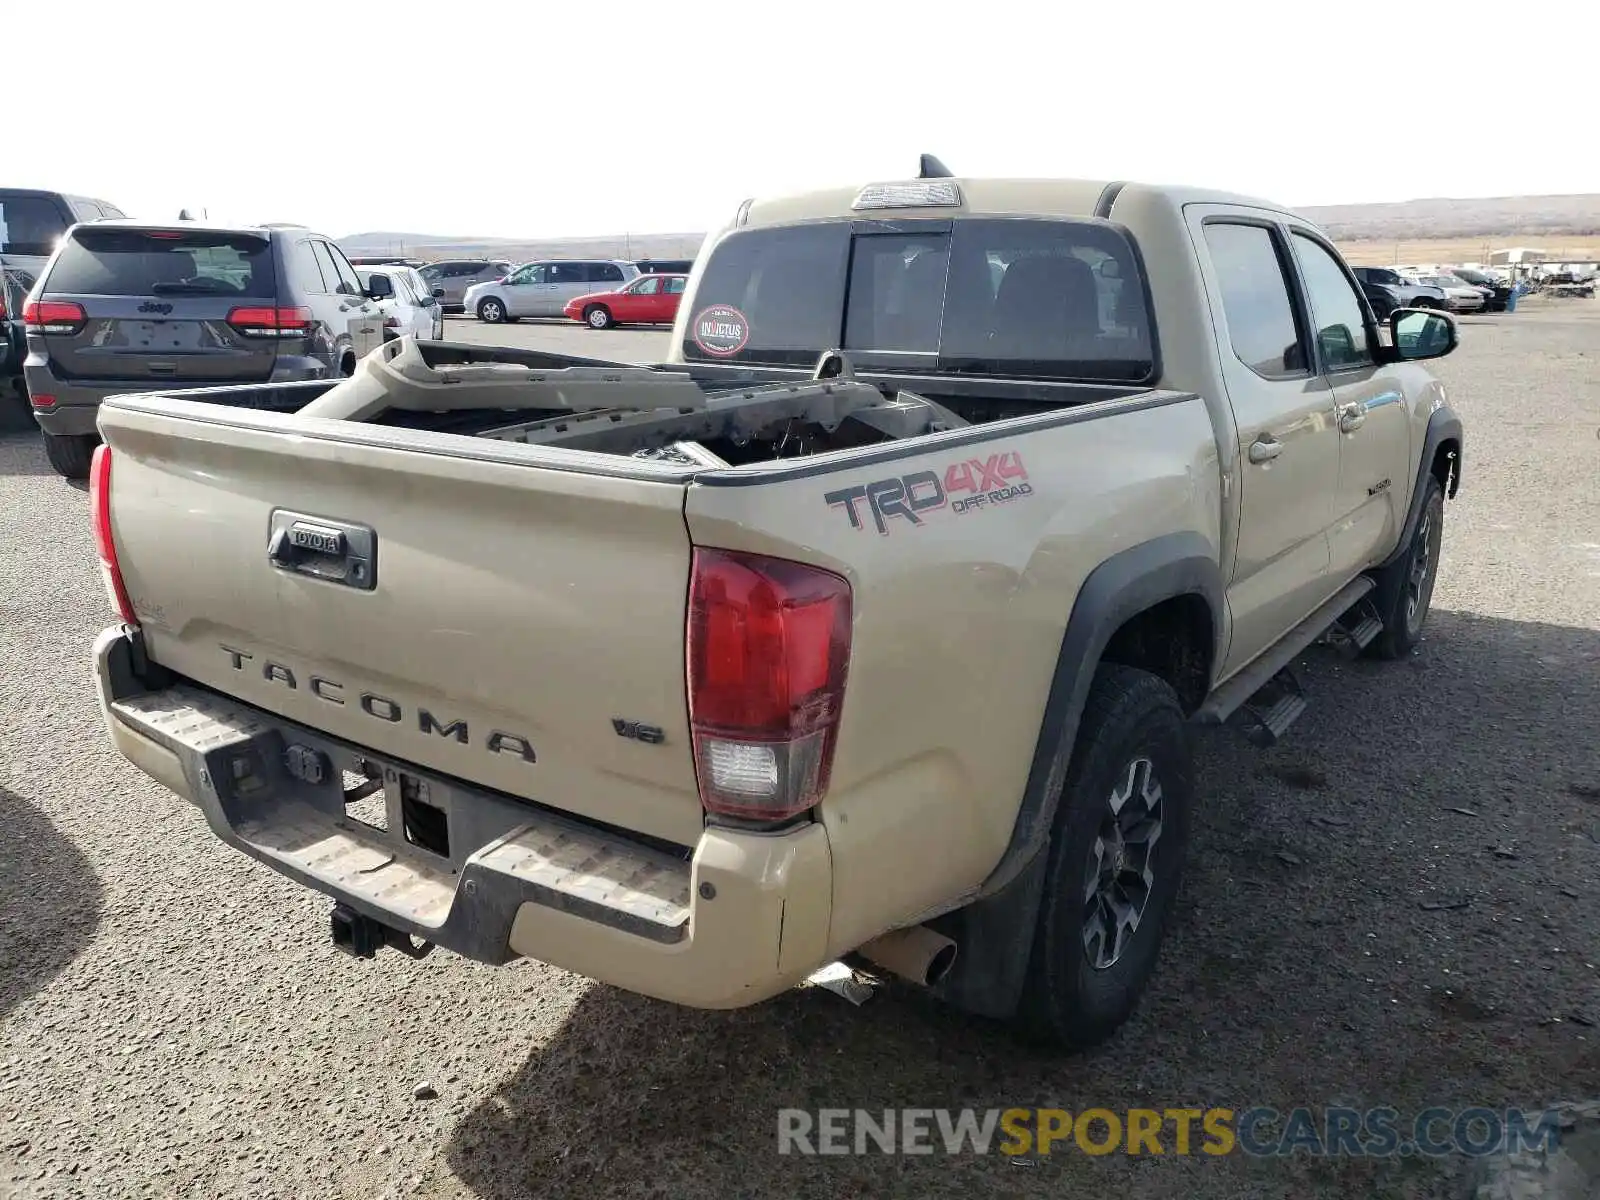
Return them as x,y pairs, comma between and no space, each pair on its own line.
1383,298
664,266
132,306
1496,292
1410,294
33,222
14,287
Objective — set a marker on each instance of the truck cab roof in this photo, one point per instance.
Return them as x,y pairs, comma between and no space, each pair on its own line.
1015,197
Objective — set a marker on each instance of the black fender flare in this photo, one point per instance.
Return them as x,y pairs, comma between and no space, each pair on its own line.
995,932
1443,426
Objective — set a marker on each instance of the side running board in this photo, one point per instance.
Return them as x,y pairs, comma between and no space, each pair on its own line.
1269,669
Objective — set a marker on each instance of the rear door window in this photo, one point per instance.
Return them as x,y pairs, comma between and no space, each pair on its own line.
349,284
1011,297
305,275
1255,298
605,273
30,225
568,272
132,262
330,273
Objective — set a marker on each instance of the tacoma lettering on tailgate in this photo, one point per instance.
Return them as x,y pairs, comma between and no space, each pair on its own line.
382,708
972,485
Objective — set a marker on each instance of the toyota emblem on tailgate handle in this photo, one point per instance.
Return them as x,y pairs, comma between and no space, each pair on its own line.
333,551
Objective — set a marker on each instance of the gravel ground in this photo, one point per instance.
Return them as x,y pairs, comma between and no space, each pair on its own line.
173,1020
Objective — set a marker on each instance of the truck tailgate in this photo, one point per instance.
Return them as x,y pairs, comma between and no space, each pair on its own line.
514,624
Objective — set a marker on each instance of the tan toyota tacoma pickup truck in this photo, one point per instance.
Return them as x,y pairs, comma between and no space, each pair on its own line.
871,625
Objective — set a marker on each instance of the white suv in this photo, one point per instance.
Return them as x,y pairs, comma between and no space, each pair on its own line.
542,288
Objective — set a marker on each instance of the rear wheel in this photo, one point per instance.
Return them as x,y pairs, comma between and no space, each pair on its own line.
598,316
491,311
70,453
1116,857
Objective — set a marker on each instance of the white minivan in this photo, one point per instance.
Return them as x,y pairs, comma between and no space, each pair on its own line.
542,288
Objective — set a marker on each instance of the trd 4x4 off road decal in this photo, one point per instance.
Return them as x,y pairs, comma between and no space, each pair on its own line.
971,485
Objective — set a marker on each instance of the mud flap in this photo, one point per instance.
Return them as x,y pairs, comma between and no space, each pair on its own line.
994,939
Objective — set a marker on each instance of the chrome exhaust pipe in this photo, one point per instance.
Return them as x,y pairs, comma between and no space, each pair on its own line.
918,954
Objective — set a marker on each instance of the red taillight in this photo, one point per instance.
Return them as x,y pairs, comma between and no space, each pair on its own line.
769,647
42,400
53,316
391,323
271,322
105,547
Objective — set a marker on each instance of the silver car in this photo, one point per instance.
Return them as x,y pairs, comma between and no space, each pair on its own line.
1459,295
455,276
542,288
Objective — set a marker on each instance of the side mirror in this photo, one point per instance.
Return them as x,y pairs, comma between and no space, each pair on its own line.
438,293
1419,333
379,291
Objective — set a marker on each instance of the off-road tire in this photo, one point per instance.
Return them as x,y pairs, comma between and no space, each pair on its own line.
70,453
492,311
1130,716
598,316
1405,586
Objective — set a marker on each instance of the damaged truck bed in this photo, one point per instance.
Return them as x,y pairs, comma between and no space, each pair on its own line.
698,677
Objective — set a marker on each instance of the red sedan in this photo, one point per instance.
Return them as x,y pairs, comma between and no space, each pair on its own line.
648,300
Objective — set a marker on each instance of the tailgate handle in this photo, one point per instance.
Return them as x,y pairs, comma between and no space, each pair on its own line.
334,551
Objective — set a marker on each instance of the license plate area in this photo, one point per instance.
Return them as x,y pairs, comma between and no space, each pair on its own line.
164,335
380,798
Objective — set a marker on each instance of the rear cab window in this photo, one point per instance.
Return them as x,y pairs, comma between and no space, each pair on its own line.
1017,297
30,225
98,261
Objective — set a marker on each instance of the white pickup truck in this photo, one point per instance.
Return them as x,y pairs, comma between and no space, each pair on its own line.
872,624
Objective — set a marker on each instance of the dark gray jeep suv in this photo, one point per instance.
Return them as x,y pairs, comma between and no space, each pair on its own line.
131,306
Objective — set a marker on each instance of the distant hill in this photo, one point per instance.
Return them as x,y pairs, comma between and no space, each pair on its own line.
1514,219
1524,218
621,245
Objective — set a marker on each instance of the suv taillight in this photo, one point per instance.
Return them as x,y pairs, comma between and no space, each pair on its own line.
271,322
53,316
105,547
769,647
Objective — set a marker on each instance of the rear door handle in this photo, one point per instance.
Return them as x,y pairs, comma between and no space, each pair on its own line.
1352,417
1265,449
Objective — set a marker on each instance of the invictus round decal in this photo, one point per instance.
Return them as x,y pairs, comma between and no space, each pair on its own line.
721,330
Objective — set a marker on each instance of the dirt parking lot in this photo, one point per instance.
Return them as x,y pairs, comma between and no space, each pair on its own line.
1394,906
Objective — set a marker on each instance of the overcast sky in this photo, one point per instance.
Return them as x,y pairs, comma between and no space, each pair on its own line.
547,119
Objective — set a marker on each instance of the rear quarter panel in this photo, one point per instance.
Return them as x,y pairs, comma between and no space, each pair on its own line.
958,623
